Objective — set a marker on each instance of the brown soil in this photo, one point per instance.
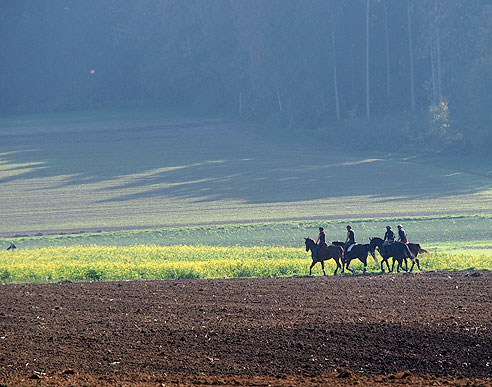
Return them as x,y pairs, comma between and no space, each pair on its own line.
423,329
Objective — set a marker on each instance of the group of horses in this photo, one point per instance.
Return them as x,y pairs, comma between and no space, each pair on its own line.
399,251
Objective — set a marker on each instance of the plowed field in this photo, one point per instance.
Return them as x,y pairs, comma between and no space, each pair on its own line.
421,329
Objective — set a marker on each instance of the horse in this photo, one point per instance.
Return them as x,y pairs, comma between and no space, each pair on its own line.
398,250
416,250
324,253
359,251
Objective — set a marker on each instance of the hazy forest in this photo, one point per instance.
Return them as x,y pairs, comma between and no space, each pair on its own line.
403,72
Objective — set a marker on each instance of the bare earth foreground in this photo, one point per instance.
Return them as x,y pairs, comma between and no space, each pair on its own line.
423,329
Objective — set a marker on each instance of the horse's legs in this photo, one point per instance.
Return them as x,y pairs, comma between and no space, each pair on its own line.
416,262
400,263
364,261
311,267
347,267
323,267
338,265
345,259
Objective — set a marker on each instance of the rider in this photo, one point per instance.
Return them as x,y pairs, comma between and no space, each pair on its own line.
389,237
321,241
402,235
350,238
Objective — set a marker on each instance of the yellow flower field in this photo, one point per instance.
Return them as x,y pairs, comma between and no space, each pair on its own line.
80,263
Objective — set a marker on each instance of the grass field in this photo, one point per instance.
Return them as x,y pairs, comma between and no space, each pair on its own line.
442,233
117,180
149,169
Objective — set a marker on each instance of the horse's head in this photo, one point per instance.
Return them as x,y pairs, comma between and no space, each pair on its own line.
309,243
375,242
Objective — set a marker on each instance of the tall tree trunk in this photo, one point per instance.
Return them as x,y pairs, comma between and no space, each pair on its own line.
240,104
388,72
368,110
335,77
279,102
410,52
433,70
437,6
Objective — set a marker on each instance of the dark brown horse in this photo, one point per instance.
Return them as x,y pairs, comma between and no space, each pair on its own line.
324,253
398,250
357,251
416,250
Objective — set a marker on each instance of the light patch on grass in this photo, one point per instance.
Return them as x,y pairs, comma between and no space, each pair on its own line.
19,168
357,162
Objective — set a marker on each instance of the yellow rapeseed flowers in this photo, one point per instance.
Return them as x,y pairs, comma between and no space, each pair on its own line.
93,263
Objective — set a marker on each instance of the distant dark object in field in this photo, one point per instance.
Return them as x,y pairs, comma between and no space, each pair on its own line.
12,246
359,251
324,253
398,250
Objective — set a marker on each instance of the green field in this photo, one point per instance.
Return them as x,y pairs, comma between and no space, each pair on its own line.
148,169
440,233
163,179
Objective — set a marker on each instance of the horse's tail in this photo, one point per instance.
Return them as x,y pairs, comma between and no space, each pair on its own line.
341,252
422,251
409,254
373,253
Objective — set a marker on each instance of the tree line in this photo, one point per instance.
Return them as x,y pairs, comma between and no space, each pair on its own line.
410,72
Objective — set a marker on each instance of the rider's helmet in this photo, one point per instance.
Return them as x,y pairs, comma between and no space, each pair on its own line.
348,227
321,229
388,227
399,226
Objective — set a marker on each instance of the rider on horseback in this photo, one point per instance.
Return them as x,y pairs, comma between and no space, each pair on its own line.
350,238
389,237
402,235
321,241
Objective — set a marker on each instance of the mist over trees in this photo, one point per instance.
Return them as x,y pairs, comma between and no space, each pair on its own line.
406,72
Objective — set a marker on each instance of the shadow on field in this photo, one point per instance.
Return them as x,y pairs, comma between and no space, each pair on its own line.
213,160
